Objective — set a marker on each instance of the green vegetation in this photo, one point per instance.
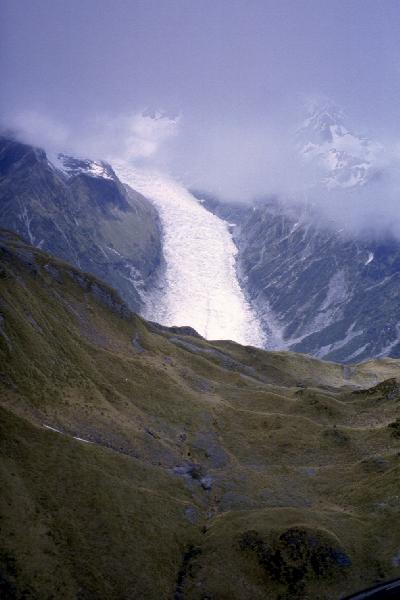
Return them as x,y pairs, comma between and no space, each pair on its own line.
213,470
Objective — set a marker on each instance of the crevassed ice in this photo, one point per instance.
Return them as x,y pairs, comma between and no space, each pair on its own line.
201,288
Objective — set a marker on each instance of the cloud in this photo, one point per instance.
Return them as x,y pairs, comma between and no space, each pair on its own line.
135,136
37,128
238,158
147,131
242,158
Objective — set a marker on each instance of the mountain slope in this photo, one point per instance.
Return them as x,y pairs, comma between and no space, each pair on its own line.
80,212
317,290
138,461
320,287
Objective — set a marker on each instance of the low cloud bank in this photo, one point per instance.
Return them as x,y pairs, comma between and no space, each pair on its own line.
138,136
238,160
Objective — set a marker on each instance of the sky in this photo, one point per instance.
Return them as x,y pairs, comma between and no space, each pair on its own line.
232,75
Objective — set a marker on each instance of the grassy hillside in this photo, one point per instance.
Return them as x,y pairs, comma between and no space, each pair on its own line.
139,462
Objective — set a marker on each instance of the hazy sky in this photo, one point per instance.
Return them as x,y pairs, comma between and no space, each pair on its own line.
80,56
75,73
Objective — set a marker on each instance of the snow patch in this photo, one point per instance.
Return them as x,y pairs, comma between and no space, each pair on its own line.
27,221
62,433
294,227
96,169
114,251
369,259
53,429
75,166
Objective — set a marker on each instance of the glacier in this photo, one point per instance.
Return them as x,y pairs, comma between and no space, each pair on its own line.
201,288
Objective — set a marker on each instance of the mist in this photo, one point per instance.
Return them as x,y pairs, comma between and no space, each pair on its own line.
237,162
211,93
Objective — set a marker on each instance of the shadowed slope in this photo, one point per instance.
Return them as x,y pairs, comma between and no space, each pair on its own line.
80,212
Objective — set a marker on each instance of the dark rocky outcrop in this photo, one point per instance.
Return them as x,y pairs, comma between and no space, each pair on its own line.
296,556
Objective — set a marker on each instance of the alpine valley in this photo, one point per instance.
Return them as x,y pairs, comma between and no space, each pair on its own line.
199,400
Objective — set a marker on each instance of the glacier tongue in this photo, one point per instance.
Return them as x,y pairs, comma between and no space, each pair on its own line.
201,288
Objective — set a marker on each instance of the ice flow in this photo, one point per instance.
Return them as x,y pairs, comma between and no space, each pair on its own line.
201,286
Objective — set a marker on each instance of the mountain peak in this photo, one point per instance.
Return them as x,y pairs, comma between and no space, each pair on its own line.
324,118
72,166
346,159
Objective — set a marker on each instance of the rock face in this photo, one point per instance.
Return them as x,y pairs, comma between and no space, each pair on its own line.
146,462
79,211
317,290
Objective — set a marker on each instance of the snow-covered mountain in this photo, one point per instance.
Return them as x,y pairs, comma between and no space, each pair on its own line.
345,159
73,166
316,287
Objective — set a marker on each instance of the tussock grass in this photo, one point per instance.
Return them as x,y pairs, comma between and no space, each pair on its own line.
214,470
